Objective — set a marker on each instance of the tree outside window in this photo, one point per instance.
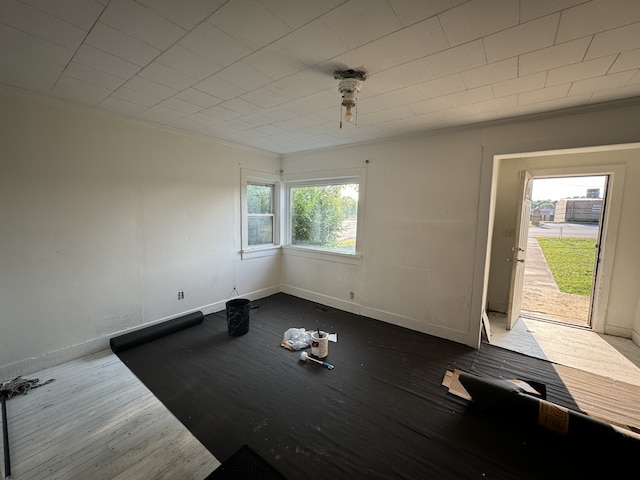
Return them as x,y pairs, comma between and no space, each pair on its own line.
324,216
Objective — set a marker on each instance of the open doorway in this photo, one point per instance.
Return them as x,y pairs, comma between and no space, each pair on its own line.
562,248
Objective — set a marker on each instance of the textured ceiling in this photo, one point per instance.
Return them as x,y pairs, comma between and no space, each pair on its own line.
260,72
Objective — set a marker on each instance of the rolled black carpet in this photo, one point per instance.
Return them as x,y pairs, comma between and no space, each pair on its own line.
144,335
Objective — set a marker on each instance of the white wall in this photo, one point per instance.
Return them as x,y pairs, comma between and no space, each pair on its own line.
419,235
104,221
431,204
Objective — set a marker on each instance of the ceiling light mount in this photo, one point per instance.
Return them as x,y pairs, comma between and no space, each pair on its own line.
349,86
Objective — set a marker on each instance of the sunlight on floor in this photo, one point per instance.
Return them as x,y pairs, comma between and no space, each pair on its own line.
613,357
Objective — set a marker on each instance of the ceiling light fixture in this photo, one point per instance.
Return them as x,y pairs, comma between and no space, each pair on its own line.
349,87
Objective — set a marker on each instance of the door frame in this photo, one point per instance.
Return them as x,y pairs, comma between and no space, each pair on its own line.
489,264
519,248
610,221
599,254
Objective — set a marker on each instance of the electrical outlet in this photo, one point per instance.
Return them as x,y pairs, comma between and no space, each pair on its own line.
180,295
351,295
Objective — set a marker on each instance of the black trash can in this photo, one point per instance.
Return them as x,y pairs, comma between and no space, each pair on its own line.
238,316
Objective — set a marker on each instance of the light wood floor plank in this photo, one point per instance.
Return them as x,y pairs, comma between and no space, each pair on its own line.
97,420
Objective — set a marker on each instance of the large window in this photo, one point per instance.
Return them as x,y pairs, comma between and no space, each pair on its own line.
323,215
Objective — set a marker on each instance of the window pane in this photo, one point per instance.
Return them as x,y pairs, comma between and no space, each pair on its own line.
260,230
324,217
260,198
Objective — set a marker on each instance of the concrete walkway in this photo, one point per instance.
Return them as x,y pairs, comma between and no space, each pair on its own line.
536,270
541,297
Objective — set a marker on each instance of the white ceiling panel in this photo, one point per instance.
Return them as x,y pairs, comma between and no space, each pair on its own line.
81,13
532,9
185,13
441,86
27,72
374,19
240,106
250,22
135,96
198,98
477,19
41,24
492,73
457,59
614,94
296,13
540,95
92,76
261,72
210,42
32,46
411,12
219,88
496,104
149,87
474,95
274,62
522,39
404,75
614,41
597,16
169,77
105,62
190,63
244,76
604,82
105,38
626,61
553,57
415,42
142,23
518,85
312,44
580,71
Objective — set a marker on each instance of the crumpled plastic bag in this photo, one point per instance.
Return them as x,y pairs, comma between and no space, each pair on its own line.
296,339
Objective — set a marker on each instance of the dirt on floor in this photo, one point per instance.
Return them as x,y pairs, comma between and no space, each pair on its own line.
541,302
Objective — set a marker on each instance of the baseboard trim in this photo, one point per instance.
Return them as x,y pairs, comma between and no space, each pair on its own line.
384,316
31,365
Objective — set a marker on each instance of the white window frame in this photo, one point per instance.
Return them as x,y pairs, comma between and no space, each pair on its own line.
356,176
254,177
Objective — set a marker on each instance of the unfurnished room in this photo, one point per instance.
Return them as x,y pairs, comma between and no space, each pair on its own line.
309,239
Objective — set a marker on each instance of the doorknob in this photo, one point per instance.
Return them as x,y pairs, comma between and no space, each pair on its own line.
515,260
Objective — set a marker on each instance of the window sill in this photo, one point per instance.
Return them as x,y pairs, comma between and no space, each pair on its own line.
257,252
322,255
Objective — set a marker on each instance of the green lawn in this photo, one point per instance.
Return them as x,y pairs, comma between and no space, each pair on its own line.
571,261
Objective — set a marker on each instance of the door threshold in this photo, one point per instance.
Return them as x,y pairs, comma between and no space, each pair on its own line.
539,317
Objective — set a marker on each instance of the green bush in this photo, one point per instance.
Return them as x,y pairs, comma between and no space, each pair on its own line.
317,215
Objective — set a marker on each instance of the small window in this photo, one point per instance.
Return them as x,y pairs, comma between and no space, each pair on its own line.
260,215
324,216
260,201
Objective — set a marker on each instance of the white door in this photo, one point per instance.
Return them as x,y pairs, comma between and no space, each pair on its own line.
519,248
